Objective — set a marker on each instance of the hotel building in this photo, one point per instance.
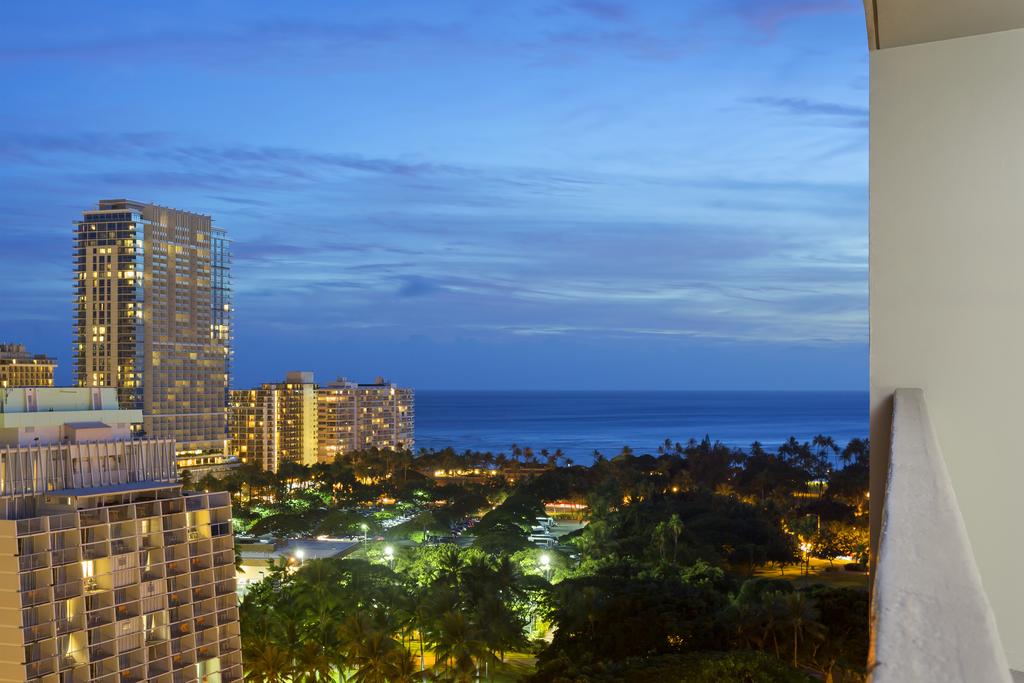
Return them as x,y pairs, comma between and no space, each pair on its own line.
19,368
275,423
152,314
109,572
357,416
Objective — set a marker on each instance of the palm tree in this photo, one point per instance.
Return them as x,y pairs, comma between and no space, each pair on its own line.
675,528
826,449
456,642
317,584
798,615
855,450
375,658
267,663
666,531
500,630
312,664
403,667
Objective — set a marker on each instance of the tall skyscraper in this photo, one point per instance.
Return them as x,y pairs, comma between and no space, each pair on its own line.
111,572
275,423
357,416
152,318
19,368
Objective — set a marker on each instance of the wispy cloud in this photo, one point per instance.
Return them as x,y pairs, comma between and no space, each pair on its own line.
832,112
486,175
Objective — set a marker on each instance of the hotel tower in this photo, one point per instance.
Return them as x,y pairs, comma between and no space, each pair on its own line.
152,313
19,368
275,423
109,571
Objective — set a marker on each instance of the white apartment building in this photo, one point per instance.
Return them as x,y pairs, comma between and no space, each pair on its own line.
109,572
355,416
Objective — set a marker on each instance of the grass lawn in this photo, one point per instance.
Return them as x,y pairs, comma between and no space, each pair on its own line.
515,667
516,664
818,574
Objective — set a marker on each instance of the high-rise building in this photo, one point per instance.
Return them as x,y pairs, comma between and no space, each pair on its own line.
358,416
152,315
109,571
275,423
19,368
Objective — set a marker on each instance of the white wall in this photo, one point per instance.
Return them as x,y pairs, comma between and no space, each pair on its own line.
947,282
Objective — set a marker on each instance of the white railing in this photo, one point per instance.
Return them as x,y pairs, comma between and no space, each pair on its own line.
931,620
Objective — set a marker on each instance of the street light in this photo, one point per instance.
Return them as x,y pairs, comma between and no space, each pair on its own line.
545,564
389,555
299,555
365,527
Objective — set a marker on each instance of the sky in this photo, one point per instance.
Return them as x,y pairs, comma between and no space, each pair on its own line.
544,194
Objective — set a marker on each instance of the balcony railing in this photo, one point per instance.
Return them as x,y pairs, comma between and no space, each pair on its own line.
931,619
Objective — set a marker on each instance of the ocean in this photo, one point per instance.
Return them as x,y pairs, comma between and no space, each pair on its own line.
578,422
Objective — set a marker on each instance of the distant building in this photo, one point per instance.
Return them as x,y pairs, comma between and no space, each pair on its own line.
111,571
359,416
152,319
19,368
275,423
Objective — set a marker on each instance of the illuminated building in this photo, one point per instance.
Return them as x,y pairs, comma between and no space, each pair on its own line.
152,316
360,416
109,572
19,368
275,423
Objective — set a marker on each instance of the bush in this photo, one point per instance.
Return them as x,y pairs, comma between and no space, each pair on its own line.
855,567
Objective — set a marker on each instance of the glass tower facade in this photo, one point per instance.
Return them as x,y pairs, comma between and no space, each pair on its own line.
152,317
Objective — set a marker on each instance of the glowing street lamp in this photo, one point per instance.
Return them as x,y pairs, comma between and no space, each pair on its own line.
389,555
545,564
365,527
300,554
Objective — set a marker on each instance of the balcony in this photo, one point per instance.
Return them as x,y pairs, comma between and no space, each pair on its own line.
64,591
39,669
100,652
36,597
35,561
159,668
40,632
99,618
68,625
122,547
201,563
928,596
34,525
92,517
65,556
95,551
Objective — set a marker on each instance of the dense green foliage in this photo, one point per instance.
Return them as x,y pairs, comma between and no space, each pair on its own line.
665,581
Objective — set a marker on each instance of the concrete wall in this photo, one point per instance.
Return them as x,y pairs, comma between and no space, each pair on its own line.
947,282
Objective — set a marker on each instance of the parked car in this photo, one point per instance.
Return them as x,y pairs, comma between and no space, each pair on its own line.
542,541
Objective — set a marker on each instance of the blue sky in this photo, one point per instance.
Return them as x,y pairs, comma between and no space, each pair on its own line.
466,194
